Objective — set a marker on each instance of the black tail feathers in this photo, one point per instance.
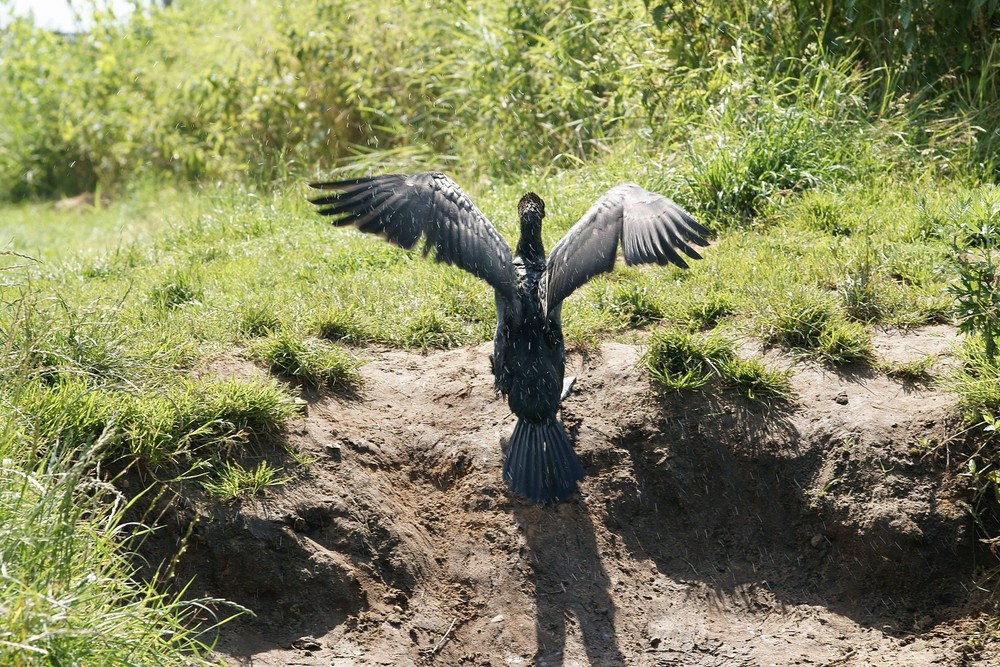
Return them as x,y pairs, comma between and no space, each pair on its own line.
540,464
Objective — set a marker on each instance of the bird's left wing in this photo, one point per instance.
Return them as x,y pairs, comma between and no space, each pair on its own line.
649,227
402,208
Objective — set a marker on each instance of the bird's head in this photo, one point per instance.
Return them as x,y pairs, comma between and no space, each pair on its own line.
531,210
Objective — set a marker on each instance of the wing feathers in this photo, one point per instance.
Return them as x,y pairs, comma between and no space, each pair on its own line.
649,227
404,208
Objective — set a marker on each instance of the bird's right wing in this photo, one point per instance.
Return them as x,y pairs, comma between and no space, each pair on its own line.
403,208
649,227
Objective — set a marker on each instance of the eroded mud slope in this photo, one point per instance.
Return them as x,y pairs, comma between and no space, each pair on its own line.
709,531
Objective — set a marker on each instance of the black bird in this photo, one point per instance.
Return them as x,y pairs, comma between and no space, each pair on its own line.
529,355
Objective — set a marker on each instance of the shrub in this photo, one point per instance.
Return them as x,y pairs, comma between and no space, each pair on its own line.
228,89
977,289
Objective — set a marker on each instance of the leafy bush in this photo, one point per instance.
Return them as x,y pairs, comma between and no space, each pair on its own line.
977,289
768,139
267,90
977,295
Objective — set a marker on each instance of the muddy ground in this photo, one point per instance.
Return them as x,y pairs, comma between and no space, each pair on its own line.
710,530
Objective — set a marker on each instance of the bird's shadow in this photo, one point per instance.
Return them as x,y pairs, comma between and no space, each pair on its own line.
571,587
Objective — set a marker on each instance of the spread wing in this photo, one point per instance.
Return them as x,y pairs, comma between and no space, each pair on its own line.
403,208
649,227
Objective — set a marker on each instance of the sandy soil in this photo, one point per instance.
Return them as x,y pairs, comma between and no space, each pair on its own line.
710,530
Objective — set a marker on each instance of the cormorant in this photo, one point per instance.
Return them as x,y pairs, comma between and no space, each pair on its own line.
529,355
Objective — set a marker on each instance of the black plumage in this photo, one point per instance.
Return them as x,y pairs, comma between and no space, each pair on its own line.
529,354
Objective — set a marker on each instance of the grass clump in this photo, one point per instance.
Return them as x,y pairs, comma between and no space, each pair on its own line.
861,291
174,426
429,328
977,382
807,322
915,371
314,362
706,313
257,319
233,480
679,360
341,325
630,302
181,288
71,594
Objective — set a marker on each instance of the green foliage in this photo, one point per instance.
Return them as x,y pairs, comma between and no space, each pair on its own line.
50,338
178,289
977,385
753,379
341,325
977,382
258,319
977,289
977,297
312,361
706,313
932,49
806,321
916,371
679,360
867,291
936,58
174,426
430,328
769,94
233,480
773,134
71,594
631,302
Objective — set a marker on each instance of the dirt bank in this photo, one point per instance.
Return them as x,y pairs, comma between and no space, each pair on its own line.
710,530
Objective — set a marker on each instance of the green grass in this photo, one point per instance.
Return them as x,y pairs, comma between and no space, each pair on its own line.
257,319
169,427
842,202
71,594
233,481
342,325
806,321
679,360
314,362
977,382
916,371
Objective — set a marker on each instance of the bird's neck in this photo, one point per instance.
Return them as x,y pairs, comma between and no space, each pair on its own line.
530,246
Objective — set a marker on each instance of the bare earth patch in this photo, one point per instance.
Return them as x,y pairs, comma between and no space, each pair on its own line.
709,531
